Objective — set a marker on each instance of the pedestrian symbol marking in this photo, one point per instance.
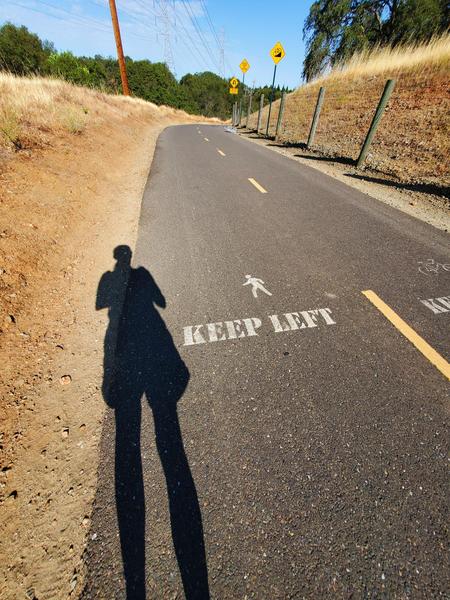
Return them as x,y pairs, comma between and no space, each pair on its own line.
244,66
234,82
277,53
257,284
234,90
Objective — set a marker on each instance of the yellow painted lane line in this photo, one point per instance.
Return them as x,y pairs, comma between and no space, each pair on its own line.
220,152
422,346
257,186
206,139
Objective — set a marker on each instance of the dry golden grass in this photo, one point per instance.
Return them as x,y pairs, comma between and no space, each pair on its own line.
418,58
34,109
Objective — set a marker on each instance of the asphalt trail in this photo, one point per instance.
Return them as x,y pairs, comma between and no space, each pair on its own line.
268,455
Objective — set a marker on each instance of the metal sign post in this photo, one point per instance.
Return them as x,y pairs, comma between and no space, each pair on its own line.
244,66
270,100
277,53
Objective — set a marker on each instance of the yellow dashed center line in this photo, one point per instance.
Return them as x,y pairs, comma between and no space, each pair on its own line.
220,152
422,346
257,186
206,139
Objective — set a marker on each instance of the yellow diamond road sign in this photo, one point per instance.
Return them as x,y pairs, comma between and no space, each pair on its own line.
234,91
277,53
234,82
244,66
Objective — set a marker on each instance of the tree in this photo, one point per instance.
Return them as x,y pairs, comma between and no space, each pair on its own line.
336,29
420,20
69,67
207,94
152,81
22,52
204,93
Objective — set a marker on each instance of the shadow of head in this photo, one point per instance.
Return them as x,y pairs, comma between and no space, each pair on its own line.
123,254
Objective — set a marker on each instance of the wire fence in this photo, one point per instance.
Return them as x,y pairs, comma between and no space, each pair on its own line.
411,142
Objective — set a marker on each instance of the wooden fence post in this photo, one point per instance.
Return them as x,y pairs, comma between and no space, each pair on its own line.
249,110
388,88
261,104
280,114
312,131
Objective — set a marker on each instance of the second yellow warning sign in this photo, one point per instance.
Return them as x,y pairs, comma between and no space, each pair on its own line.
244,66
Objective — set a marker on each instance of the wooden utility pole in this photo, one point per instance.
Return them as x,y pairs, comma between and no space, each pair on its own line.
120,56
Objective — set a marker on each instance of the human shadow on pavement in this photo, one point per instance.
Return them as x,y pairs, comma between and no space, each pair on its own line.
140,359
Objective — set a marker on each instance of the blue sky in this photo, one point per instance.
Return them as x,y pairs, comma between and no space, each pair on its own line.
151,28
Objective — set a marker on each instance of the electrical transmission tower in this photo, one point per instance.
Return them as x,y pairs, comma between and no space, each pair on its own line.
222,51
166,17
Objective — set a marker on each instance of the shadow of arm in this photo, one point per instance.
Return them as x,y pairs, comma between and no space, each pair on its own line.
103,299
157,295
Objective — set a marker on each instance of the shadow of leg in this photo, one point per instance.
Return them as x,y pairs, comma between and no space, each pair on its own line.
185,515
130,498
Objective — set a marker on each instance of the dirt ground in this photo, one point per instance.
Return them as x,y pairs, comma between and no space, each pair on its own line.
63,209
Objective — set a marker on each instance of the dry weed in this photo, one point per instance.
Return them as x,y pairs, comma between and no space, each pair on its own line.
10,127
74,120
413,58
35,108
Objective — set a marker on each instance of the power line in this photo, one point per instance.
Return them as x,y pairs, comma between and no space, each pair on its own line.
194,45
191,46
197,53
75,19
195,23
210,23
98,25
220,41
129,14
187,40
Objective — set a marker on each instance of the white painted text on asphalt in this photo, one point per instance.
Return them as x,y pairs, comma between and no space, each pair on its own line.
438,305
248,327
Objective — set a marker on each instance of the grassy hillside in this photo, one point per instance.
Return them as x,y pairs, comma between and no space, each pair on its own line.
34,110
412,142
